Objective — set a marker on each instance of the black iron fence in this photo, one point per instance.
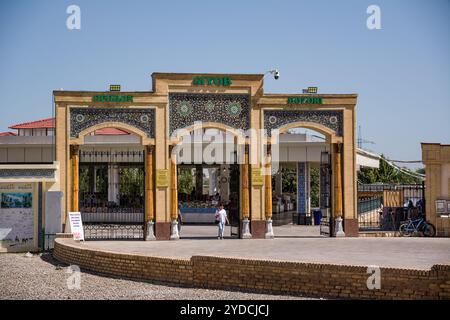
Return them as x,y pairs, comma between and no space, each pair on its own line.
112,194
382,207
370,212
113,231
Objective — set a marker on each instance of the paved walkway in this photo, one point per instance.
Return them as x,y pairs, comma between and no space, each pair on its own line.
210,231
409,253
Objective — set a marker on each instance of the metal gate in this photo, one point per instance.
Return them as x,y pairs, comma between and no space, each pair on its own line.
325,194
111,195
383,207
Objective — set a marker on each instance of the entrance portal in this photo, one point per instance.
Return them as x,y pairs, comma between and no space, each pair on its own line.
302,185
201,189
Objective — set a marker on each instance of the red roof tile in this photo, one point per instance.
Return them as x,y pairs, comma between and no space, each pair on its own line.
50,123
39,124
110,131
4,134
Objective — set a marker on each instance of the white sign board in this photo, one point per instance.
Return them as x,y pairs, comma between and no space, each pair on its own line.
76,225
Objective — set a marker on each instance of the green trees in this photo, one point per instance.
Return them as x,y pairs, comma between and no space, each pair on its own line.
185,182
315,186
385,174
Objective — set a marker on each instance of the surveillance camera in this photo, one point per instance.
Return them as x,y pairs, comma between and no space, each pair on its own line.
276,74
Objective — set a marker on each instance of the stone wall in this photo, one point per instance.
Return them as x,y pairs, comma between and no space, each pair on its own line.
276,277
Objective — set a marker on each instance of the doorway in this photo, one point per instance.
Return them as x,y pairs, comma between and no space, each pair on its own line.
201,189
302,185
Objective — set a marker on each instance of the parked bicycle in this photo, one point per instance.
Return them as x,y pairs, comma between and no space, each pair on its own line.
417,226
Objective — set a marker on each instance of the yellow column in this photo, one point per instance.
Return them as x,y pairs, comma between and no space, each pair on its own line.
268,187
245,189
74,161
173,187
149,213
337,157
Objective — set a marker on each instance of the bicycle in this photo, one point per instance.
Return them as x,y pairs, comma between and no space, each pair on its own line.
416,227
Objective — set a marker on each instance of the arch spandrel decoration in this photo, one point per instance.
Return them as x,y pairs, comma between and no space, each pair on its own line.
84,118
331,119
185,109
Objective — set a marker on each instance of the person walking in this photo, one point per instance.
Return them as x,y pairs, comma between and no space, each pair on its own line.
222,220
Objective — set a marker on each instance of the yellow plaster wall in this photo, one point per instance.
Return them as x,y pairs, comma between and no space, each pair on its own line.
436,158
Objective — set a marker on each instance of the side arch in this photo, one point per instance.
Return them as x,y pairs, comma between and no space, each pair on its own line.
330,135
145,140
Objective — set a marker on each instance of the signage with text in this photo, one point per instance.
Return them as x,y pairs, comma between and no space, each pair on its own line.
212,81
112,98
162,178
257,177
304,100
76,225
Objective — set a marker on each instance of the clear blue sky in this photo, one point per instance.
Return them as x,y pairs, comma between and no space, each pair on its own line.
401,73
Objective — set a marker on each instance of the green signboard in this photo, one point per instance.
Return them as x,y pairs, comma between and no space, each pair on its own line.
112,98
304,100
212,81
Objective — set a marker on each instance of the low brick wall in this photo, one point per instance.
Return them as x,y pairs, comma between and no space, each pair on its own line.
125,265
276,277
322,280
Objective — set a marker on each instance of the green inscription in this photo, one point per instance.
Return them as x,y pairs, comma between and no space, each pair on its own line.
112,98
212,81
304,100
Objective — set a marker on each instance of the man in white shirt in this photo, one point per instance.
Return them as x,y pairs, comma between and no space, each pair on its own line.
221,217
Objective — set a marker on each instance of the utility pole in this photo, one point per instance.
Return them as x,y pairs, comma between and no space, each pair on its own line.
360,140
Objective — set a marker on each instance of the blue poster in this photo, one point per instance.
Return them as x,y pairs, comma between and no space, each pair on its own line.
16,200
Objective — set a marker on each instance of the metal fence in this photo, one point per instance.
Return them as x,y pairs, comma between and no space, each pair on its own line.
111,194
369,213
382,207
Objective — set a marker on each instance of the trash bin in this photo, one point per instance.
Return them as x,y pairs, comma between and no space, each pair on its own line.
317,217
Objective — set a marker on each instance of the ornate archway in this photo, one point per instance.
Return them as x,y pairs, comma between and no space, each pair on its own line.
239,172
330,123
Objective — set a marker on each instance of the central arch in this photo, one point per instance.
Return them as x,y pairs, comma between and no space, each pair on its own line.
178,134
229,178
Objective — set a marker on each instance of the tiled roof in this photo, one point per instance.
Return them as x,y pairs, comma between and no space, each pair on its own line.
110,131
4,134
40,124
50,123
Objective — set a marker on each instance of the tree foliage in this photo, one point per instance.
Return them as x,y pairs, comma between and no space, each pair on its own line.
385,174
185,182
315,186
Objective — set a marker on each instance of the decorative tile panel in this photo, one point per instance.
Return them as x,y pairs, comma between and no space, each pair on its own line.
274,119
230,109
301,188
83,118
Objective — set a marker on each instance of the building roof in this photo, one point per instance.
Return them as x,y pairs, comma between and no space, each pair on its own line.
50,123
110,131
39,124
8,133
